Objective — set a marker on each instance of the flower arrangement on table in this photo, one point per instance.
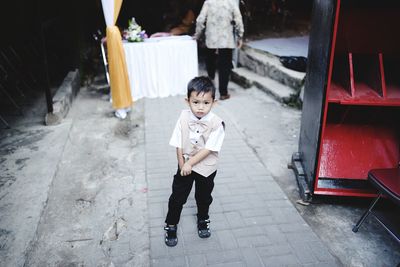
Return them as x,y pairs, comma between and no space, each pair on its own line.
134,33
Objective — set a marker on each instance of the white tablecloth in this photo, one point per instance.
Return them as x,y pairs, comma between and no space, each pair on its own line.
162,66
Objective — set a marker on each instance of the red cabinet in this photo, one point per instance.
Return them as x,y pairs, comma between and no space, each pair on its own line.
351,109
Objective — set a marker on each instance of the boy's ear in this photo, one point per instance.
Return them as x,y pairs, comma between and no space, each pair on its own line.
187,100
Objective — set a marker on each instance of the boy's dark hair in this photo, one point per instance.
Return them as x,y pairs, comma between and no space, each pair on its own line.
201,84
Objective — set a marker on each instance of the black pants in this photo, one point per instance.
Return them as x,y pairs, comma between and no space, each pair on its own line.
181,187
224,62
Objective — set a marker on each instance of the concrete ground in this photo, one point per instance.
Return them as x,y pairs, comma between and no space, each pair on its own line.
93,190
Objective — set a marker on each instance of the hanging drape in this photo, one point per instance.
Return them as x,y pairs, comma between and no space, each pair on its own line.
119,80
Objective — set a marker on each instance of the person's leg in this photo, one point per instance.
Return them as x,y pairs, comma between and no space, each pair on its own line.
211,59
224,70
181,187
204,187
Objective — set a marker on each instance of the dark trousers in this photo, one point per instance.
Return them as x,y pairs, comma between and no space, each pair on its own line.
181,187
224,63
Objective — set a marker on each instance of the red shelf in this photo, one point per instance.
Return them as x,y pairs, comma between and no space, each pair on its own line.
360,129
364,95
393,92
344,192
349,151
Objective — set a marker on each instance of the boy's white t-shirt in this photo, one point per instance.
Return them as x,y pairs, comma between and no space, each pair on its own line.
214,142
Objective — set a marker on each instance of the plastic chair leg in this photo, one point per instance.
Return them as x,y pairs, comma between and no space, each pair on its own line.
5,122
365,215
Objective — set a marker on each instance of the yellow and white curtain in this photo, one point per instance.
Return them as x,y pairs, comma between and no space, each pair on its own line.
119,80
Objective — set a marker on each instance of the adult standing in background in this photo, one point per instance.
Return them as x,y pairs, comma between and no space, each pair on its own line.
222,22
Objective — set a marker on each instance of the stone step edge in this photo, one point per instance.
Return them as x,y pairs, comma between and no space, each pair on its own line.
266,64
282,93
63,98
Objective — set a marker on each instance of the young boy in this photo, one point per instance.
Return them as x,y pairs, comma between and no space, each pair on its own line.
198,136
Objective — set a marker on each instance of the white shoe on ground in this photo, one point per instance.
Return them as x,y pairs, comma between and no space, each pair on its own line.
120,113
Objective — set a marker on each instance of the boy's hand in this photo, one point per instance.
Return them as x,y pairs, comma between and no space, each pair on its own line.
186,169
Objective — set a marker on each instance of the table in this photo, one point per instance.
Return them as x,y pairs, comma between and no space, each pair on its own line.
162,66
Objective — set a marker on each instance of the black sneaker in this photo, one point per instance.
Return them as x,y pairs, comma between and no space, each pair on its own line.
170,235
203,228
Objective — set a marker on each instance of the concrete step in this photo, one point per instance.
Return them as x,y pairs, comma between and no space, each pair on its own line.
266,64
282,93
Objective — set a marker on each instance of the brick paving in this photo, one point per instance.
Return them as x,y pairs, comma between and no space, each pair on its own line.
252,221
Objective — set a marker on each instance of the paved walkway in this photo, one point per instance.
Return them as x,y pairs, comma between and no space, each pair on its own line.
93,190
253,223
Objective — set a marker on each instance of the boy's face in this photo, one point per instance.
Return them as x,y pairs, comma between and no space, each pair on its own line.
200,104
